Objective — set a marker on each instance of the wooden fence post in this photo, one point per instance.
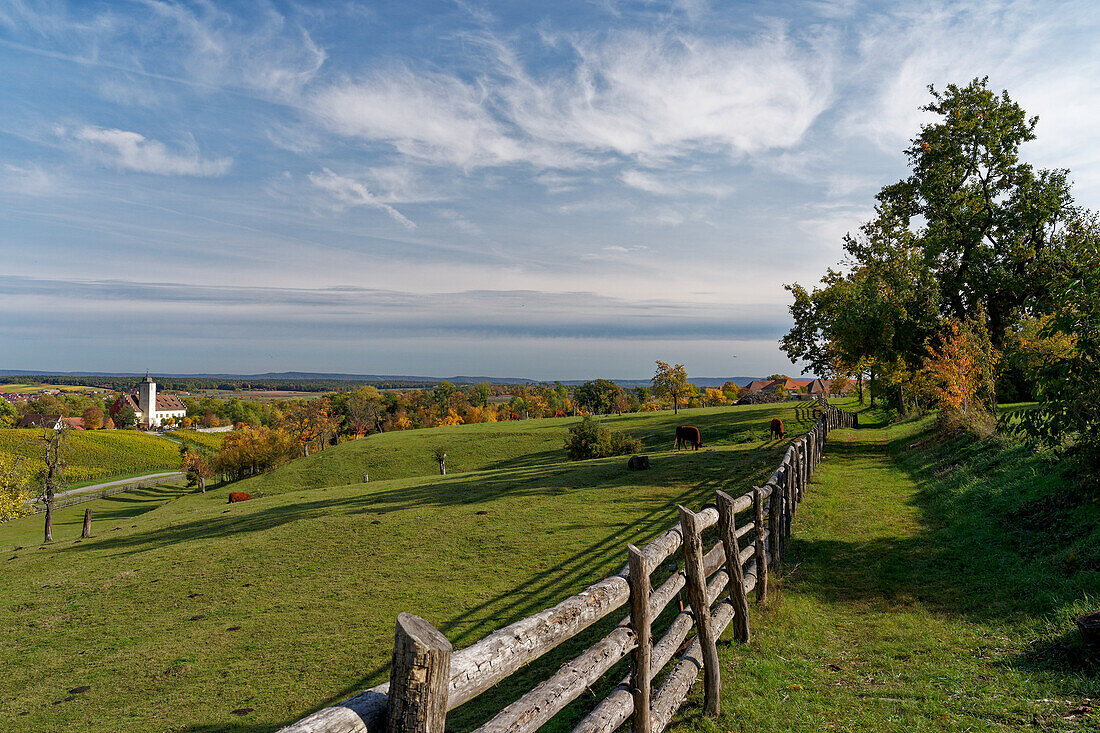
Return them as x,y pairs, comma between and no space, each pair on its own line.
700,609
420,676
811,454
87,531
804,467
788,492
641,673
807,464
774,519
761,558
727,530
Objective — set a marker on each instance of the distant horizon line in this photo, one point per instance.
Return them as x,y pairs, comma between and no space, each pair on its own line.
344,376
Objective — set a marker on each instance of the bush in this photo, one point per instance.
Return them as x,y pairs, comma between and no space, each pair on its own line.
619,444
589,439
974,422
762,398
583,439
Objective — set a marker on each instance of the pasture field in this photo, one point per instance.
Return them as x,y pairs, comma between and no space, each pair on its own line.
177,616
35,388
96,455
916,596
518,443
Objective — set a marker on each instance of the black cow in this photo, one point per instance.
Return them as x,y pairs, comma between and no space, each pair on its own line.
688,435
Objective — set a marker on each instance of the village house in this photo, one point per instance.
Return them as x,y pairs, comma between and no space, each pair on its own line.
794,387
151,409
35,420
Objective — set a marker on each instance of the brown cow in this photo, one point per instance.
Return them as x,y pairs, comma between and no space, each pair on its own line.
235,496
777,428
688,435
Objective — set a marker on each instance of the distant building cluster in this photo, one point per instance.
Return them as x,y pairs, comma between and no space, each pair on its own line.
794,387
150,409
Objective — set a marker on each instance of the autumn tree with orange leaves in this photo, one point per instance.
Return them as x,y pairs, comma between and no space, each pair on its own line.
961,367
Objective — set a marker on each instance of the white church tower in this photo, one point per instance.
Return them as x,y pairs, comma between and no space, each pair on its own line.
147,401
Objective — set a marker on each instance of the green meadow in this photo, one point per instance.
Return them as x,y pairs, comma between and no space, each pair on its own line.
923,589
180,614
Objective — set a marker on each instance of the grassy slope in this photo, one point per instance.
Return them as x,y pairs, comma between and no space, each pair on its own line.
193,439
926,589
502,445
97,455
181,615
907,604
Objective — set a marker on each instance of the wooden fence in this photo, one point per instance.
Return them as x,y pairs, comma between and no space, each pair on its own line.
428,678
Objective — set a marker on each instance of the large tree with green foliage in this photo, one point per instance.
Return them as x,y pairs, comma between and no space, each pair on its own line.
988,222
1068,415
670,381
972,232
599,396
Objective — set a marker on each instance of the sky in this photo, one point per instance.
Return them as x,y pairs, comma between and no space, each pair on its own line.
563,190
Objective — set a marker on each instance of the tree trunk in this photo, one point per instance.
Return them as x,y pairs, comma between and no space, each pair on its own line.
859,384
871,387
202,484
87,531
49,517
443,466
675,405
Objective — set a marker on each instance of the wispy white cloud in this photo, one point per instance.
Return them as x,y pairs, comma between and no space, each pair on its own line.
294,138
432,117
656,95
133,151
266,52
615,253
347,192
644,182
461,223
647,96
198,44
128,92
673,184
903,51
30,180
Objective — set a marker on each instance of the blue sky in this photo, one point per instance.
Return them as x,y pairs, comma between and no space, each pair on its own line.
549,190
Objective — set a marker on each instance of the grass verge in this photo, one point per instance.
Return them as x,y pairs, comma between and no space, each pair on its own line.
929,586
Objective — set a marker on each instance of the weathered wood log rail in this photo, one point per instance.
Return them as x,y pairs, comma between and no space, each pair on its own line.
428,678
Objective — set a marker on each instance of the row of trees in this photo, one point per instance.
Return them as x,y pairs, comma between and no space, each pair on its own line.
367,409
93,408
269,434
976,280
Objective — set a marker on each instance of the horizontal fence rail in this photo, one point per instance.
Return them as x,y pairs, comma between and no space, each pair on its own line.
428,678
